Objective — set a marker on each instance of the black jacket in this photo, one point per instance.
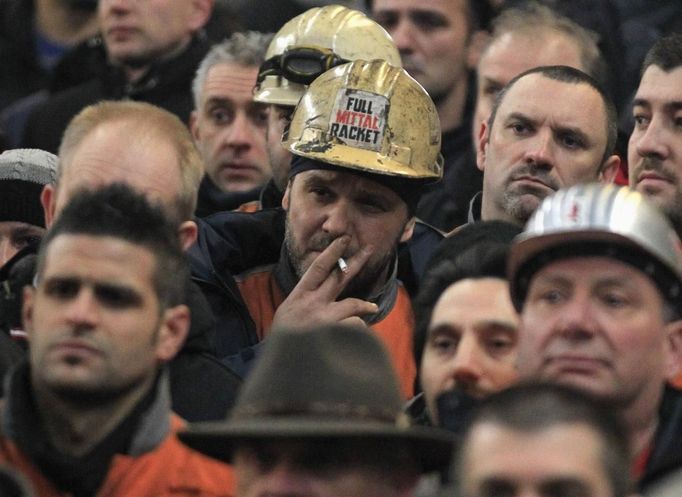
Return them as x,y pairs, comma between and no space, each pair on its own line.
167,85
21,74
445,204
212,199
666,452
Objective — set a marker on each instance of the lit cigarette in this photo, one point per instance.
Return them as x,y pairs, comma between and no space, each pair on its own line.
342,265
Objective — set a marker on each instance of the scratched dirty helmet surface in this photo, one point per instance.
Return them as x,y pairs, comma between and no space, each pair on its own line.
370,116
314,42
598,220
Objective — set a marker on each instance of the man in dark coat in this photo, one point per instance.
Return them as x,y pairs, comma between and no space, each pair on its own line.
152,52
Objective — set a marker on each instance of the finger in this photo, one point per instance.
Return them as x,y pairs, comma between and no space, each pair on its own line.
324,264
351,307
354,322
334,286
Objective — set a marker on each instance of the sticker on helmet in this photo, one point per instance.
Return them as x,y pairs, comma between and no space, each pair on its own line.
358,119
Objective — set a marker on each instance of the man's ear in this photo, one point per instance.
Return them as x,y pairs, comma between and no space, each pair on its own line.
188,233
481,150
27,309
479,40
673,363
48,199
609,170
173,331
285,197
200,14
408,229
194,125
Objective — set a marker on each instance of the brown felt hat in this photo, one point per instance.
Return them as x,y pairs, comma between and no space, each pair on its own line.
328,383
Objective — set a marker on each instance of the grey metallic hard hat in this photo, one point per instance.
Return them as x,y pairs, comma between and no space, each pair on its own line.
596,220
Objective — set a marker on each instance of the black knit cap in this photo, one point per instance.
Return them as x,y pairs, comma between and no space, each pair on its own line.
23,174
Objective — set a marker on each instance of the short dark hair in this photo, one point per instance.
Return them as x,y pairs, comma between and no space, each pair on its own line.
533,407
666,53
473,252
570,75
120,212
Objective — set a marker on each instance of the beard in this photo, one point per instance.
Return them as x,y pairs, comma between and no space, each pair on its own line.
671,208
513,202
371,277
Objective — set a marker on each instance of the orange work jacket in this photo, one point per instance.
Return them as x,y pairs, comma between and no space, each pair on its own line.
263,296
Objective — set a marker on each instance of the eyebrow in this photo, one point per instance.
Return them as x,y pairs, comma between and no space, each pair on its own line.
218,100
496,325
559,129
559,485
521,117
643,102
480,326
27,230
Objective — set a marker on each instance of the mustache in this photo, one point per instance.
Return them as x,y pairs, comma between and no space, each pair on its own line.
320,242
534,171
409,61
653,164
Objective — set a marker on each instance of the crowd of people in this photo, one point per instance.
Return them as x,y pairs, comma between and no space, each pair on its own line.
398,248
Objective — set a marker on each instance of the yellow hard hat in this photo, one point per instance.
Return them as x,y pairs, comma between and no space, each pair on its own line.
368,116
314,42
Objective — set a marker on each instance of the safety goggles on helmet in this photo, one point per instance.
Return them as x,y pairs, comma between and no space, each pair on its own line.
301,64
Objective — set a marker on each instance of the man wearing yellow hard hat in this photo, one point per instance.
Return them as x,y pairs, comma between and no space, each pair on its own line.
365,139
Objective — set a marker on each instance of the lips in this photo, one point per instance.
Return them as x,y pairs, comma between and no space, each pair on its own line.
534,180
74,348
652,177
239,166
120,32
576,364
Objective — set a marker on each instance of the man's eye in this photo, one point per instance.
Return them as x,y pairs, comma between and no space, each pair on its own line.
321,193
426,20
116,297
551,296
387,20
498,344
569,140
373,206
519,128
614,300
221,116
62,289
25,240
641,121
444,344
492,90
284,113
260,117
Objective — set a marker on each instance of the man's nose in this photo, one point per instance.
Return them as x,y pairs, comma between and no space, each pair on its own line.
651,142
338,218
82,311
576,321
540,151
403,35
466,365
241,133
